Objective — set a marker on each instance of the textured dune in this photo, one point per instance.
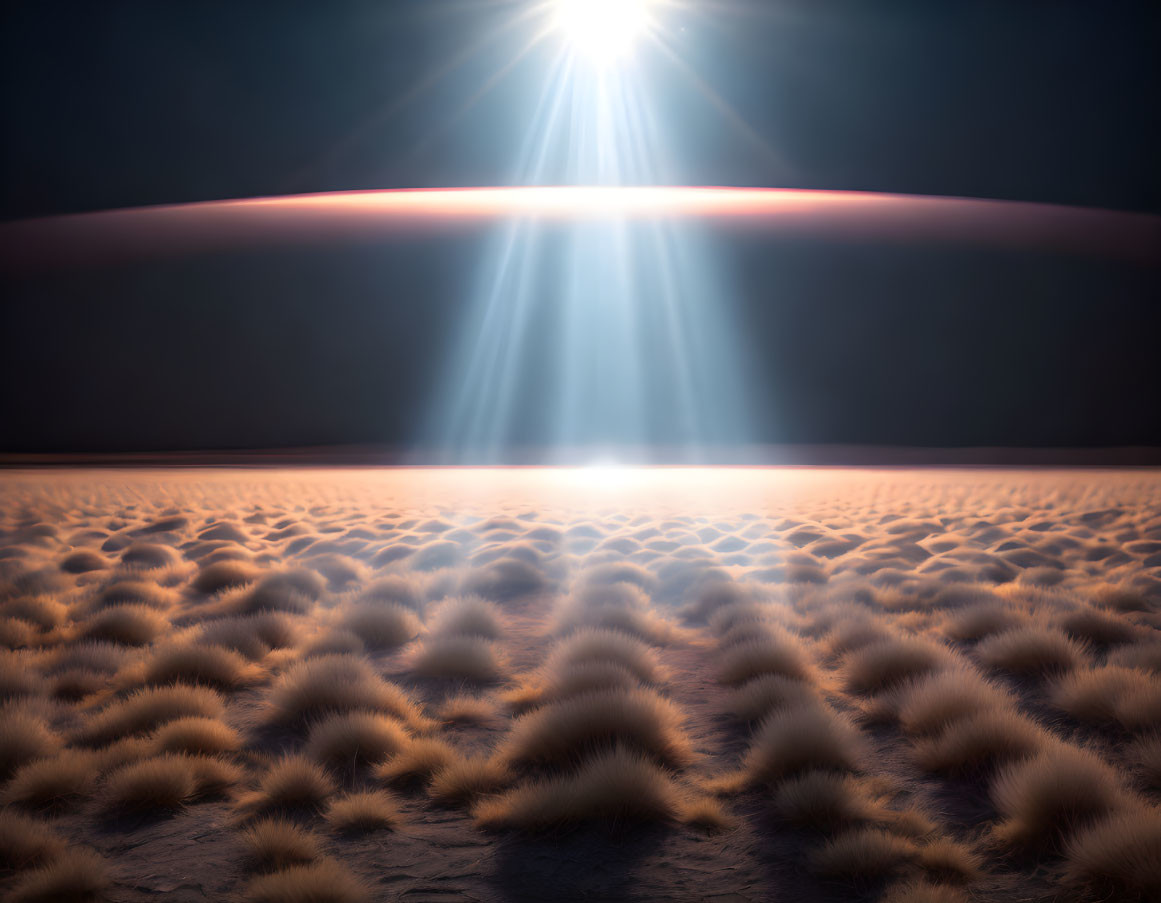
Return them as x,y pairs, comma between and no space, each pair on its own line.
664,684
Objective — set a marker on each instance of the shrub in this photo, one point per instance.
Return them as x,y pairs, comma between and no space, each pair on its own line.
291,591
337,683
130,625
196,735
80,875
417,762
149,708
862,854
932,703
252,635
52,783
26,842
745,661
463,780
1030,651
466,658
324,881
1118,857
559,733
381,626
802,739
213,666
979,742
23,737
1044,798
348,740
609,646
617,785
887,663
464,709
769,693
368,811
292,783
823,801
470,616
275,843
1093,694
165,782
222,575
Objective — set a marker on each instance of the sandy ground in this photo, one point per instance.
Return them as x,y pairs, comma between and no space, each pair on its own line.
831,561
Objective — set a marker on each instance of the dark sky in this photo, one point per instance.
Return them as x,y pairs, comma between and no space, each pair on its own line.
121,104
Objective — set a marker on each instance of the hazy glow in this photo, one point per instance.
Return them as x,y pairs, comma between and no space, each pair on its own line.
602,31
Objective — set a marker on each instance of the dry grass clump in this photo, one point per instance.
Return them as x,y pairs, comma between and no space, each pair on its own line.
293,783
130,625
368,811
276,843
620,606
464,658
417,762
757,698
44,612
932,703
254,636
569,680
1145,655
468,616
884,664
23,737
52,783
338,683
165,782
559,733
978,621
463,780
754,658
617,785
79,876
802,739
1119,857
17,678
823,801
1090,625
135,592
947,861
862,854
464,709
1031,651
324,881
220,575
1094,694
148,556
394,590
25,841
193,663
1046,797
979,742
291,591
196,735
381,626
505,578
610,646
17,634
923,892
352,739
1139,708
1145,754
83,561
149,708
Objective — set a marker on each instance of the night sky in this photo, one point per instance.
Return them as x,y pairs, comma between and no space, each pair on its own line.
124,104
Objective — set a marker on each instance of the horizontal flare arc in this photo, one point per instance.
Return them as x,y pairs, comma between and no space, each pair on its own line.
370,215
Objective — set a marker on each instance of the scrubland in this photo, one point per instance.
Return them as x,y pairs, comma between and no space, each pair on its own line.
363,685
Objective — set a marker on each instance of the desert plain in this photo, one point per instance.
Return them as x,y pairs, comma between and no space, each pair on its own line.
726,684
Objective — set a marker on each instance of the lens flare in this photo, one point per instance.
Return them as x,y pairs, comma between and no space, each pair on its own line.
602,31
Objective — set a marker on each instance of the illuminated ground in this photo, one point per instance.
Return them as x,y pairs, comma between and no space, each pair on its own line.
839,684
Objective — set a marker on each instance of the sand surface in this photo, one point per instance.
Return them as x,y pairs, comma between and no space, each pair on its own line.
829,561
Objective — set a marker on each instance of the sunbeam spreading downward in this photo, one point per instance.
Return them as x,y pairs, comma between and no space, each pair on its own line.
600,334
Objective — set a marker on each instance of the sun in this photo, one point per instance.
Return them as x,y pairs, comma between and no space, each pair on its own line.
602,31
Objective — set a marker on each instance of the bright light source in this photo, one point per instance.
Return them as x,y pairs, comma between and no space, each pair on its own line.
603,30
